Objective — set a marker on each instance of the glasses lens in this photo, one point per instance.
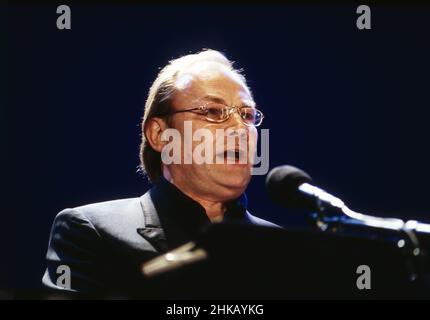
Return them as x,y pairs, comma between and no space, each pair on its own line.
218,113
251,116
215,112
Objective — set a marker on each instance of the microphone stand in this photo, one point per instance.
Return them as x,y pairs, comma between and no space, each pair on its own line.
412,237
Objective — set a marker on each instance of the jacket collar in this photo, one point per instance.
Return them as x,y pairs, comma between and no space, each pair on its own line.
172,218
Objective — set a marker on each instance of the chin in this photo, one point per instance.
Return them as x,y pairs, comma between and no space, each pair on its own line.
235,184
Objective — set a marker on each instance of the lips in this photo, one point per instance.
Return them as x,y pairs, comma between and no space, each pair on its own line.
236,156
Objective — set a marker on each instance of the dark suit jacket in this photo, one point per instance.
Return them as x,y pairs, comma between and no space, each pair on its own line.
104,244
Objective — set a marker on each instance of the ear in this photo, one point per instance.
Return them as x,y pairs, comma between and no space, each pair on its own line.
154,127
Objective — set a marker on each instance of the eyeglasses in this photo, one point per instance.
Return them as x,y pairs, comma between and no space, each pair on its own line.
217,112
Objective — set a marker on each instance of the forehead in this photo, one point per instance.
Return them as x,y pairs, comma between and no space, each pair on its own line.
209,79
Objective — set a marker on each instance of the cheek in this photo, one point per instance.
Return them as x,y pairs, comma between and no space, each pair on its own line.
252,141
187,129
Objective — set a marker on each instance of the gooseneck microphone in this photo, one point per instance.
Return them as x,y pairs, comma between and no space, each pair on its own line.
290,187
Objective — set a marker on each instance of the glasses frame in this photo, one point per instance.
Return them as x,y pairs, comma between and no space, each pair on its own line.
230,111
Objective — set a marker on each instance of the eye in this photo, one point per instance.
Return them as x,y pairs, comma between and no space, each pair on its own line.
214,111
248,114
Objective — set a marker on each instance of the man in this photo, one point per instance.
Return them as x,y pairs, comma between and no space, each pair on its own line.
104,244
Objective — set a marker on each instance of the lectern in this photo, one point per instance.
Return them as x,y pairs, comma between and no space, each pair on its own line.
237,261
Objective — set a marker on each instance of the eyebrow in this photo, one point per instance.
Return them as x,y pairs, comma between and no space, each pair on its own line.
214,99
218,99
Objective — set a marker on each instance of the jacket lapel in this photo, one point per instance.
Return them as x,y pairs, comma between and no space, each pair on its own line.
152,231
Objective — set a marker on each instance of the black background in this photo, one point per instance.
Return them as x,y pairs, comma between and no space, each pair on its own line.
347,106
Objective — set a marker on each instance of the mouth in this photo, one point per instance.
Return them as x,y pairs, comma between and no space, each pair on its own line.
235,156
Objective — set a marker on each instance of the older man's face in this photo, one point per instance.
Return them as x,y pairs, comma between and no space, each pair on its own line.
213,181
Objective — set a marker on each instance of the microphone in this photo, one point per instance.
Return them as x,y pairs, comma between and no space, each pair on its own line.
289,187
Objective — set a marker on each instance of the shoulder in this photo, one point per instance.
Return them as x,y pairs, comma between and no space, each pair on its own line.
114,220
112,213
92,240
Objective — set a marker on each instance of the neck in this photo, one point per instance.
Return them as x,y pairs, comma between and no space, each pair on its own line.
214,209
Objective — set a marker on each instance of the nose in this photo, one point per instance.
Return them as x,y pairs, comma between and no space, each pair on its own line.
237,127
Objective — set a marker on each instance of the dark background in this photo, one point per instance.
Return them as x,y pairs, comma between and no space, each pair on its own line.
347,106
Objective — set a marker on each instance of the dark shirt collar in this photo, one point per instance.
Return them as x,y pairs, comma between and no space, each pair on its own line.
182,218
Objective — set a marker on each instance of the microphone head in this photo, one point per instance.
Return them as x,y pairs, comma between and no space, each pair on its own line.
282,185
